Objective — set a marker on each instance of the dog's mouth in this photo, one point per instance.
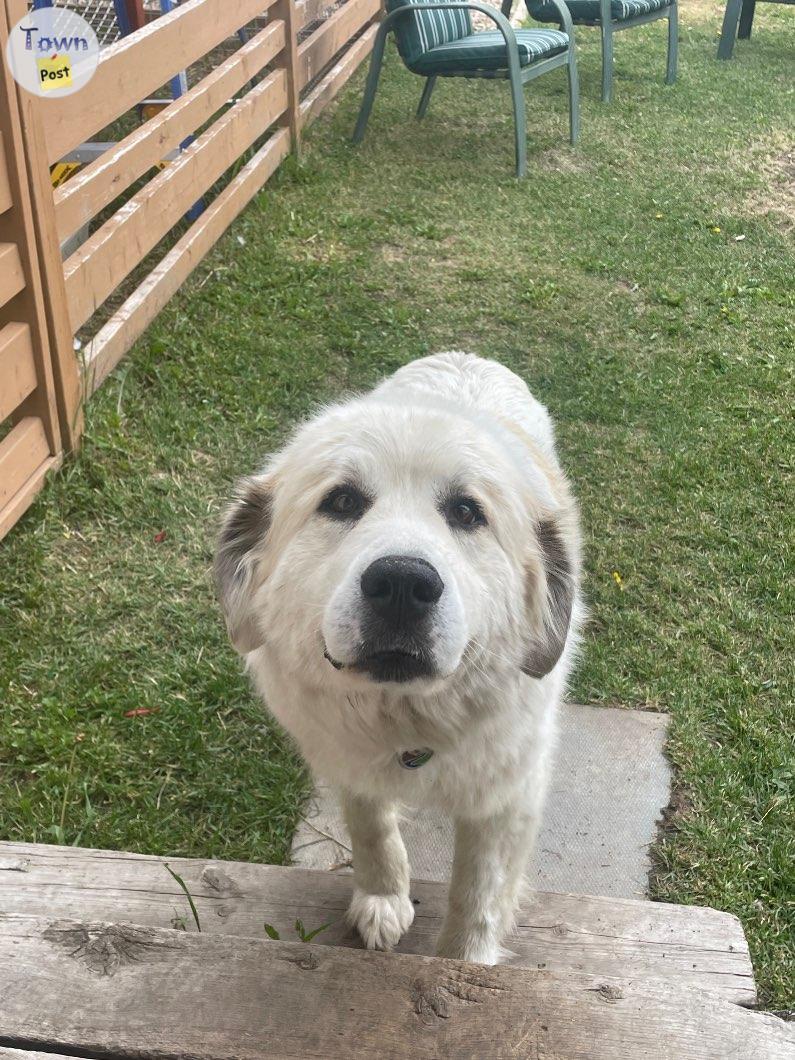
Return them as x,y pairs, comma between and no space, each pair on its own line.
392,664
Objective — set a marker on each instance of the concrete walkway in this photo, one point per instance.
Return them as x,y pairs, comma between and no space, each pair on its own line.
610,785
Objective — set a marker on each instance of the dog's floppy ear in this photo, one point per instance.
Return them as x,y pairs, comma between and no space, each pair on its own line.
242,537
553,613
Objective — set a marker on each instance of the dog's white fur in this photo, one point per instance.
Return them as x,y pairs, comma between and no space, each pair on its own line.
289,581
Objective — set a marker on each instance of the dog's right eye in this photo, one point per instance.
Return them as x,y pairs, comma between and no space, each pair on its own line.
344,502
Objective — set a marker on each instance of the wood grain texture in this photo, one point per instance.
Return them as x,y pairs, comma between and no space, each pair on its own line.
17,367
680,945
98,184
57,399
288,60
320,48
131,318
135,66
24,497
107,256
5,187
12,276
22,450
128,990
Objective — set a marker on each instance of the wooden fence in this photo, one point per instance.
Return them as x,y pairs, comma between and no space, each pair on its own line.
30,438
261,70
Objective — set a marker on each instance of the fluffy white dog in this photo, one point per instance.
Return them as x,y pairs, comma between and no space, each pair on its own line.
402,580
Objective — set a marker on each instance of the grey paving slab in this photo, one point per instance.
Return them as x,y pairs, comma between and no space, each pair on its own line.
610,784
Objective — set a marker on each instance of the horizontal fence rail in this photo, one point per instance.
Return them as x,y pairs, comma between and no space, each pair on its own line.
316,51
139,64
156,182
98,184
109,255
137,312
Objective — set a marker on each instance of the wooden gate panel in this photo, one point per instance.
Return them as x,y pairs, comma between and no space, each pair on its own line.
30,438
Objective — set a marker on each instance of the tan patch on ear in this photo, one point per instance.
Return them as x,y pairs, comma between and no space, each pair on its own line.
243,533
555,607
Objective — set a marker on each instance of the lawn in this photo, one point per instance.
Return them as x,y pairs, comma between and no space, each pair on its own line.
642,284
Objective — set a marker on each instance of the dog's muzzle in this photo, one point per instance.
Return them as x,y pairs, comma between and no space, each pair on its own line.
399,597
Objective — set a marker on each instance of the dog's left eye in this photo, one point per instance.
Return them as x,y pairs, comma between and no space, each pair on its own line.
344,502
465,512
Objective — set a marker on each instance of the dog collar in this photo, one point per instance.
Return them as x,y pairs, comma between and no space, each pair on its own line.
416,758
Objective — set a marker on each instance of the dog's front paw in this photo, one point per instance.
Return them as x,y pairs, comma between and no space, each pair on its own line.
475,946
380,919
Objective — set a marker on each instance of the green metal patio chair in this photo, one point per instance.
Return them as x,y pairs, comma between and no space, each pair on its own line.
612,16
741,11
435,39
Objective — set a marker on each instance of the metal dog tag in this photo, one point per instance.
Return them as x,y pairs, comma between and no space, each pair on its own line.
415,759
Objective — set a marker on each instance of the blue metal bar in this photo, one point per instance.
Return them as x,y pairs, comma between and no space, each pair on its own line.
122,18
179,82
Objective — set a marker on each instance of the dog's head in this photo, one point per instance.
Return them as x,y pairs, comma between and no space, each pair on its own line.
400,545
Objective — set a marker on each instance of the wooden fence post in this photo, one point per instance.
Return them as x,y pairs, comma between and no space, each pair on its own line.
285,10
65,369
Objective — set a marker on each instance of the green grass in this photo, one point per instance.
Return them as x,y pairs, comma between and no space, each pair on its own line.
616,282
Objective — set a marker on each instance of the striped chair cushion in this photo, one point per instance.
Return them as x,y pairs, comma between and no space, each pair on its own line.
589,10
423,30
487,51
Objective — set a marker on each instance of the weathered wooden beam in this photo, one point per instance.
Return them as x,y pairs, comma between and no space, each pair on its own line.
23,498
122,990
6,200
17,366
649,941
22,451
57,398
12,276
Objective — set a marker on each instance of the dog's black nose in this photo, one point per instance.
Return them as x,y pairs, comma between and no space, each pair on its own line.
401,589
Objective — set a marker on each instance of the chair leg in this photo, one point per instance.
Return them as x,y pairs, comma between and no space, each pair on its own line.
425,98
673,44
729,30
574,98
746,19
519,123
607,62
372,84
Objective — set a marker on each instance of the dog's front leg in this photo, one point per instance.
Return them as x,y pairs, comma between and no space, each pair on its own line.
491,856
380,910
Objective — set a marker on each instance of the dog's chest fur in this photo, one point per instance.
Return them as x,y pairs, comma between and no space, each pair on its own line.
487,742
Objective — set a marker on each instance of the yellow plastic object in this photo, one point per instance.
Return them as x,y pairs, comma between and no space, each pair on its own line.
62,171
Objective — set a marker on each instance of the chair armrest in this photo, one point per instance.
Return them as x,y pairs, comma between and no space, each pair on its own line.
472,5
565,16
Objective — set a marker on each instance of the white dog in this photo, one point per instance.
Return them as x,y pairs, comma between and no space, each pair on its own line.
402,579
